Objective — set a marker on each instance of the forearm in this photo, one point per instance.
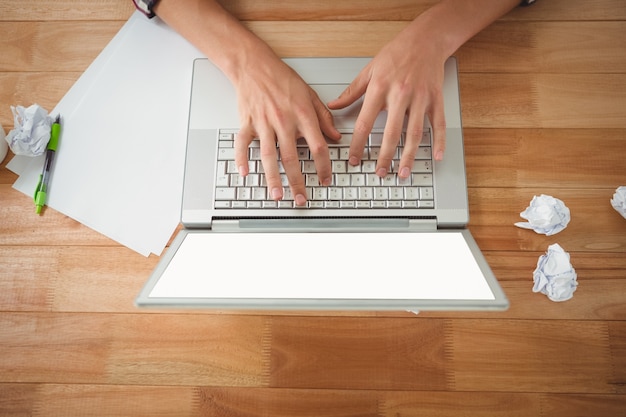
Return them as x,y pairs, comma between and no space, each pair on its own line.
451,23
215,32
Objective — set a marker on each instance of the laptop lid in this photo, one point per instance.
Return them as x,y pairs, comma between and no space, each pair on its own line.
416,271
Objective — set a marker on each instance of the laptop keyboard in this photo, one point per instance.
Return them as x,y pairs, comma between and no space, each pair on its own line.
352,186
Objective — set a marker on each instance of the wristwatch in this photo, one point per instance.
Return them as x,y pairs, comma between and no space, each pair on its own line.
146,6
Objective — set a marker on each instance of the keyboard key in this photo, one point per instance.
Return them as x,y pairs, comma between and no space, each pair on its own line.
366,193
422,180
335,193
411,193
226,154
350,193
422,166
244,193
357,180
320,193
225,193
426,193
342,180
339,167
381,193
376,139
308,167
396,193
259,193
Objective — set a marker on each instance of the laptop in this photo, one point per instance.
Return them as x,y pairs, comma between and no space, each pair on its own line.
363,243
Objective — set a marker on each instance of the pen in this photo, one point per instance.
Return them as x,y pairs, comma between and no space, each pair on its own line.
44,178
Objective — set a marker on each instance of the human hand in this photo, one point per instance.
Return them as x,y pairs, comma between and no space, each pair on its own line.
277,106
406,80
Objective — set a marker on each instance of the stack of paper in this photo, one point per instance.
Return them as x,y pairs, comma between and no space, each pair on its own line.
119,166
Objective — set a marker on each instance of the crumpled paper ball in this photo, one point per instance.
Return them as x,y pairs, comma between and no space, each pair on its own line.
31,133
555,276
619,200
546,215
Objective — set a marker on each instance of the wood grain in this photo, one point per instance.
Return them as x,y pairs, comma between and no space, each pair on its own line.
544,112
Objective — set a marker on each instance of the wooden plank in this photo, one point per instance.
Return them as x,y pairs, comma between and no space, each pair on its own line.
106,400
216,401
544,100
617,332
547,47
541,355
17,400
574,405
21,226
94,10
134,349
454,404
579,10
53,46
360,353
114,400
538,158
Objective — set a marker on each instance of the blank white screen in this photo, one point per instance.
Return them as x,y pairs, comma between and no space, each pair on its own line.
395,266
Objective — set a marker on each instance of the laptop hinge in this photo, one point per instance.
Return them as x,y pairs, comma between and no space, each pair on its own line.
326,225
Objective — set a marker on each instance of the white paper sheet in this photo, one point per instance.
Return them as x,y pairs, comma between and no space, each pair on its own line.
119,167
393,266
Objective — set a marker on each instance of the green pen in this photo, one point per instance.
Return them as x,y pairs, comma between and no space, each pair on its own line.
44,178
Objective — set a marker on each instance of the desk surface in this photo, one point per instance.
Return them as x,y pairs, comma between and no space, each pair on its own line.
544,110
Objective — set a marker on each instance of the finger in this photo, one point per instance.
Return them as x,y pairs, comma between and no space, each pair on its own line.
412,140
354,91
372,106
324,117
438,121
242,144
391,138
269,159
291,164
319,151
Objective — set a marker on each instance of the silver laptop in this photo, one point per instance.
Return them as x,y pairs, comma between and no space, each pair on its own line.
363,243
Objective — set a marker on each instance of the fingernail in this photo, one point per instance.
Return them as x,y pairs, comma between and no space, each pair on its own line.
300,200
404,172
381,172
327,181
241,170
277,193
354,160
439,155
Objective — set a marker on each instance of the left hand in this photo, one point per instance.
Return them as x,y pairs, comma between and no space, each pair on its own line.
404,78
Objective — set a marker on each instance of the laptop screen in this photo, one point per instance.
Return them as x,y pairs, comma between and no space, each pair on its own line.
324,270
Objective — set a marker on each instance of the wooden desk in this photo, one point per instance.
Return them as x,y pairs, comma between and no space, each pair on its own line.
544,110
